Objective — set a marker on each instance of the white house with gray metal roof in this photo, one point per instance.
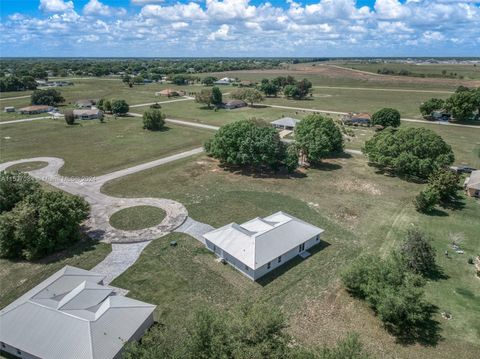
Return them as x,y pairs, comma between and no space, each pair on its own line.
72,315
260,245
285,123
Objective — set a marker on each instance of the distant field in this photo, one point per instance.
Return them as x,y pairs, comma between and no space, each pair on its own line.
93,148
469,72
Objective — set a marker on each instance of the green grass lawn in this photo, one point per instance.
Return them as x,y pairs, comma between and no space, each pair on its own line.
361,211
17,277
137,217
94,148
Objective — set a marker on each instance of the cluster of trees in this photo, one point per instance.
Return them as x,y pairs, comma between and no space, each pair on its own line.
153,120
290,87
49,97
409,152
464,104
14,83
404,72
441,188
35,222
248,331
386,117
393,286
248,95
116,107
251,143
209,97
316,137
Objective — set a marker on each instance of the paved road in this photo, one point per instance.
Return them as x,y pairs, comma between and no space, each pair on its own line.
14,98
381,89
186,98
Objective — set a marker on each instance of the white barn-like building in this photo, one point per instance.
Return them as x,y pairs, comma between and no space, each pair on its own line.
72,315
260,245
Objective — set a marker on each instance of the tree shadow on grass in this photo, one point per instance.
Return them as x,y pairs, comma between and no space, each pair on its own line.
456,203
426,333
436,273
163,129
277,272
261,173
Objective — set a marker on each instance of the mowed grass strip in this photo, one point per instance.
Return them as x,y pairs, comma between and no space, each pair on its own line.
137,217
28,166
362,212
92,148
17,277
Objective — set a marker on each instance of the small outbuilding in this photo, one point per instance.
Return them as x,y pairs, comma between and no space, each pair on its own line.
224,81
472,184
357,119
232,104
285,123
88,114
35,109
72,314
9,109
85,103
260,245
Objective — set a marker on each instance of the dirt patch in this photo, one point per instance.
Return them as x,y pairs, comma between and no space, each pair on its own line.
358,185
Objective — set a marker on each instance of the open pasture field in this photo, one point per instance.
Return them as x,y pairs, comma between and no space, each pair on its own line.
331,74
361,211
469,72
93,148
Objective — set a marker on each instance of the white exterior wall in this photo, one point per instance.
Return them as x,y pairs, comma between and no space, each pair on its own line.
138,334
261,271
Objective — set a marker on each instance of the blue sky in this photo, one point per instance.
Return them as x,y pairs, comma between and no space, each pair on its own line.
240,28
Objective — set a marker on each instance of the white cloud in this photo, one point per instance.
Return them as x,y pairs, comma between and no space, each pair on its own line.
144,2
95,7
55,5
221,34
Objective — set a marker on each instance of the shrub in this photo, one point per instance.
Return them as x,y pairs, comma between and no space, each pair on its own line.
317,136
431,105
426,200
417,252
153,120
445,183
14,187
386,117
69,117
410,152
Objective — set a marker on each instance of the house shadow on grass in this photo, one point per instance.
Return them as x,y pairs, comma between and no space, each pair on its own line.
426,333
277,272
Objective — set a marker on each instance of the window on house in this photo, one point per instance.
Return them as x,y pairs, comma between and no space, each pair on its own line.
214,248
246,268
19,352
3,345
268,265
301,247
318,238
280,259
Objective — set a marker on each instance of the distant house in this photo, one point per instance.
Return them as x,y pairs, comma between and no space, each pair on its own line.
224,81
260,245
441,116
35,109
357,119
88,114
9,109
472,184
85,103
72,314
246,83
285,123
169,92
232,104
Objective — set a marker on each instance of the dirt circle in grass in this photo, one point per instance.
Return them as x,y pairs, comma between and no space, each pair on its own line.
138,217
27,166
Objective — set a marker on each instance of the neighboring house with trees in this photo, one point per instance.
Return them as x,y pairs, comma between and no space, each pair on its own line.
472,184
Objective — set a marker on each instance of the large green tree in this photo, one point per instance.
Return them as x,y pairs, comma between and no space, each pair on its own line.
418,253
411,152
316,137
216,96
433,104
247,143
464,103
14,187
119,107
153,120
386,117
49,97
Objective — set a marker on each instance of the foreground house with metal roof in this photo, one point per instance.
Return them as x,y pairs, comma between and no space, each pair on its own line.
260,245
72,315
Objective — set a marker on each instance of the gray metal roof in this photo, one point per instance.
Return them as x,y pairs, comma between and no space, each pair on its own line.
72,315
286,121
474,180
261,240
